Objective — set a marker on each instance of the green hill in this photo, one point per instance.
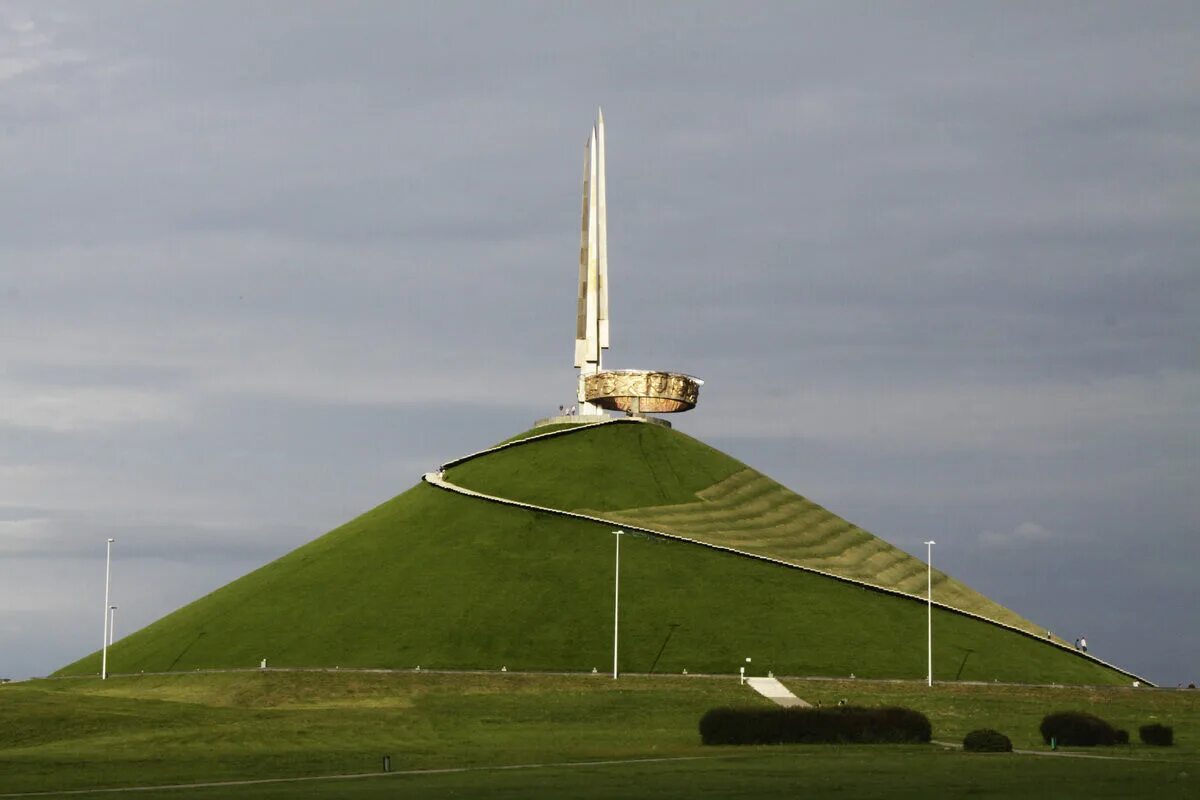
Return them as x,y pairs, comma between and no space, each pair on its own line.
443,580
682,486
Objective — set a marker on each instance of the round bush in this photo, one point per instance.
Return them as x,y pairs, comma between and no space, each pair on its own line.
986,740
1158,735
1079,729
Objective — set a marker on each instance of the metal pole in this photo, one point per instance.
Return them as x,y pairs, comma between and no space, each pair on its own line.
104,640
112,624
929,608
616,600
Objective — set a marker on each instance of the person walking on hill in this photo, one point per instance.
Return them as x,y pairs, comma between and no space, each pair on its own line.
1083,643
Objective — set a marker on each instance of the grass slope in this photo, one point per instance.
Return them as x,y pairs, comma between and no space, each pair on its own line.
444,581
602,467
154,730
661,479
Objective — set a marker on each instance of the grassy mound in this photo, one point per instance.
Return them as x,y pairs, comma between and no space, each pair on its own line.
440,580
664,480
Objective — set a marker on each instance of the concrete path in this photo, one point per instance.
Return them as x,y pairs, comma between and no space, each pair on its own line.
776,692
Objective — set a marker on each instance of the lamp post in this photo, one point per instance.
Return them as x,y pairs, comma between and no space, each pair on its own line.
112,623
104,639
616,599
929,607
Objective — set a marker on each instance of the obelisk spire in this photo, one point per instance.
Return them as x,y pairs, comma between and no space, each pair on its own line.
591,321
601,234
636,392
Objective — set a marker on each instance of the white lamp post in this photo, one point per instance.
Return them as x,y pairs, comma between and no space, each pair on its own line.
929,606
104,640
112,623
616,599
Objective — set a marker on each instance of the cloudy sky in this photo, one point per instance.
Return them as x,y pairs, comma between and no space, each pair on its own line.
262,264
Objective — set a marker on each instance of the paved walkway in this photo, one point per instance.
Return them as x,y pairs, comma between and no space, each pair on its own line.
777,693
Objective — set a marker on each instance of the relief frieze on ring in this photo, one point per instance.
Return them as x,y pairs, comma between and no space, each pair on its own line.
655,391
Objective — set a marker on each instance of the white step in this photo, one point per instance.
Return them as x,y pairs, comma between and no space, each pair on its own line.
776,692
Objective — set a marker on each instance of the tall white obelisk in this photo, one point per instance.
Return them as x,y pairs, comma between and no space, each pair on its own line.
636,392
591,323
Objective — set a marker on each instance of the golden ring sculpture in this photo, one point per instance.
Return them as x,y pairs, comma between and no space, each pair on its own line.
638,391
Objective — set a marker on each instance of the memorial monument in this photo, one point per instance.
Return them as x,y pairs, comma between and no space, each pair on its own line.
634,391
498,559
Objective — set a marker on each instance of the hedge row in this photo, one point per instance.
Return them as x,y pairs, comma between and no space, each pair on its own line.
895,725
839,724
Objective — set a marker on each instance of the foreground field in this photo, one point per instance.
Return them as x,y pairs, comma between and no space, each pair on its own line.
189,728
849,772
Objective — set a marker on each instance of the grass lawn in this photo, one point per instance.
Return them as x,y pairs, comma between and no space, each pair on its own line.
849,772
857,772
156,730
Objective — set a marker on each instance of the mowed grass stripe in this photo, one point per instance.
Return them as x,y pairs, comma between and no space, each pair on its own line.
749,511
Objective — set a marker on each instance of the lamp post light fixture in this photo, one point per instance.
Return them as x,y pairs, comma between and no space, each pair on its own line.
616,599
104,639
929,608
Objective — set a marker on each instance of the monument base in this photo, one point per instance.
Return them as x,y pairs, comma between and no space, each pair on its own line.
639,391
583,419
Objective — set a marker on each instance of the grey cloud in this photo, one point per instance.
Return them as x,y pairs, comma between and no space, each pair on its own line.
264,263
1027,533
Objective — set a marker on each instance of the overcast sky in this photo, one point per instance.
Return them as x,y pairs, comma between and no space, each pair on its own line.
262,264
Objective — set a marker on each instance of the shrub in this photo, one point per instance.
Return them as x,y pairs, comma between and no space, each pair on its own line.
1122,736
1159,735
986,740
1079,729
839,724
